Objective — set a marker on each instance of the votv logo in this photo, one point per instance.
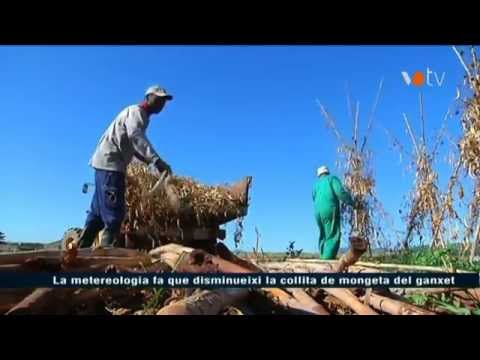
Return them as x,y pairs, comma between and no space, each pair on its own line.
420,79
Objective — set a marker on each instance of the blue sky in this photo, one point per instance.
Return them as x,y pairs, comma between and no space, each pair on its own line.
238,110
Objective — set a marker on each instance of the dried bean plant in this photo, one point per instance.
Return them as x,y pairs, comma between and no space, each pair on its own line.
429,207
470,142
355,161
201,205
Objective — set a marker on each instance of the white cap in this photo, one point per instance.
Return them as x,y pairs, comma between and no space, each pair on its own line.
322,170
158,91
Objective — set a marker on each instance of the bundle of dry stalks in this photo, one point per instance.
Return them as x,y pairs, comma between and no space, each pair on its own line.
473,226
425,199
359,180
356,163
429,206
470,142
200,204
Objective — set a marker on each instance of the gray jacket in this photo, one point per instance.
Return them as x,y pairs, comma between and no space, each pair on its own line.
124,139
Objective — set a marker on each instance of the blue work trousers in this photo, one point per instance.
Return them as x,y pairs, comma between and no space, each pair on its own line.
107,209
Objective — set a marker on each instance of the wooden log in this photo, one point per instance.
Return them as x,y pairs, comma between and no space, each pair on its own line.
394,307
288,266
13,267
115,252
34,264
200,262
43,301
303,298
475,293
337,306
311,267
345,295
429,291
88,302
64,300
234,311
358,246
170,254
462,295
468,294
293,266
224,252
350,300
81,263
107,301
381,266
292,304
10,297
207,302
158,267
111,260
409,268
22,256
186,259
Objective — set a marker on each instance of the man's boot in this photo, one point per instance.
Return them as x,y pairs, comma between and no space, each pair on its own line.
108,238
89,234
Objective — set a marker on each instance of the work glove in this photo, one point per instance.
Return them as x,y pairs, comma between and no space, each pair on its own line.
163,166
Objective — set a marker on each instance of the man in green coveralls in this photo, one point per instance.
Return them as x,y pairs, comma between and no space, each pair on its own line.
327,194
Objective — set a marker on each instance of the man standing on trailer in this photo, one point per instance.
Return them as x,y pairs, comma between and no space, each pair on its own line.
328,191
124,139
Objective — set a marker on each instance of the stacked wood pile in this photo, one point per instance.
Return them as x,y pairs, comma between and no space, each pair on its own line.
174,257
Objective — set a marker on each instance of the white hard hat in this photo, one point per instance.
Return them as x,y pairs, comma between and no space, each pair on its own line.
322,170
158,91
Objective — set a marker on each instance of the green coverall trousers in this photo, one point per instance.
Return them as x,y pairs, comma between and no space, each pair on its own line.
328,221
327,194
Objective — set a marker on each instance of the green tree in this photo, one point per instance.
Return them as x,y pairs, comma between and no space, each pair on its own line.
2,236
